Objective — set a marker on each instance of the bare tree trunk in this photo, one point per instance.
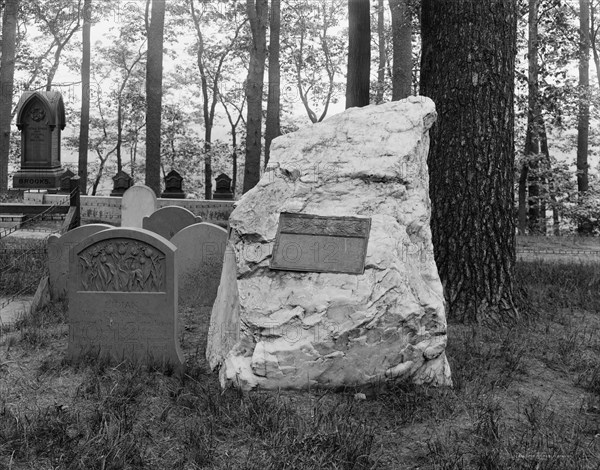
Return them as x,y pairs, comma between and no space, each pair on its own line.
382,55
467,68
154,69
402,45
532,142
523,198
273,122
359,53
7,72
583,120
84,125
257,13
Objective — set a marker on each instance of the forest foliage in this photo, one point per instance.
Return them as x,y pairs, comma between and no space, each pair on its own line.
206,59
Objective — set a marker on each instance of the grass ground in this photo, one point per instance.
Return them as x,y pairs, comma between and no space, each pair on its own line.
527,397
559,243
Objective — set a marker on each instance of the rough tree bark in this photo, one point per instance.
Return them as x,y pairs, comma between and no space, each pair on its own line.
84,126
359,53
467,68
7,72
273,121
154,69
257,13
402,47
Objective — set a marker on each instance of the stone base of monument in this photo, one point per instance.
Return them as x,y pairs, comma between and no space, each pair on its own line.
172,194
38,178
332,281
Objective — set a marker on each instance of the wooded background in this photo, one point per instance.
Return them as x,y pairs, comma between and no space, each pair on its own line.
516,93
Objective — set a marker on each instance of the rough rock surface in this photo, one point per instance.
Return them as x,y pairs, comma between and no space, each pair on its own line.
299,329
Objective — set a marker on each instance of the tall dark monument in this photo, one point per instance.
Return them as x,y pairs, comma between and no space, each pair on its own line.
40,118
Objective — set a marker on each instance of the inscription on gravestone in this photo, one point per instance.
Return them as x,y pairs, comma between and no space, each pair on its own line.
123,297
306,242
40,118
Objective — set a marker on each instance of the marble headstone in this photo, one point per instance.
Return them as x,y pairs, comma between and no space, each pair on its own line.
60,254
123,298
169,220
138,202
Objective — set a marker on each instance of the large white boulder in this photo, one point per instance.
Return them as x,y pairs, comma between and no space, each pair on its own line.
281,329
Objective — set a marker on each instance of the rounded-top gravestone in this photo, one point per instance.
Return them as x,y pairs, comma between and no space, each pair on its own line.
122,291
169,220
138,202
200,251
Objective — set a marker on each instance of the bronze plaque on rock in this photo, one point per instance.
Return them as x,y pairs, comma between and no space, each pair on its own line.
316,243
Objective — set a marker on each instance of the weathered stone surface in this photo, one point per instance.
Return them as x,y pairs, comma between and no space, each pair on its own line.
59,256
123,297
138,202
224,333
300,329
169,220
200,251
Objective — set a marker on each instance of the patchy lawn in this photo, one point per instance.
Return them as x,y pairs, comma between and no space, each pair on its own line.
524,397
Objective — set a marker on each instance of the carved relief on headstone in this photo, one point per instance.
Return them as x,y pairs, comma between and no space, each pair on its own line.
59,256
123,297
40,118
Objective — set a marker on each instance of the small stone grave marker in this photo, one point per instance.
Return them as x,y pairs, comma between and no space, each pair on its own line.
65,181
200,251
59,256
122,181
123,297
173,186
138,202
169,220
223,190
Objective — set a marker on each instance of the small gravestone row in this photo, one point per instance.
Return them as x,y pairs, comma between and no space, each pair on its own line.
124,285
122,181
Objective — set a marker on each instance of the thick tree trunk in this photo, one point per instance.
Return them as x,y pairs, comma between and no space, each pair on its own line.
273,123
583,120
467,68
532,141
84,125
257,13
402,45
154,69
7,72
359,53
